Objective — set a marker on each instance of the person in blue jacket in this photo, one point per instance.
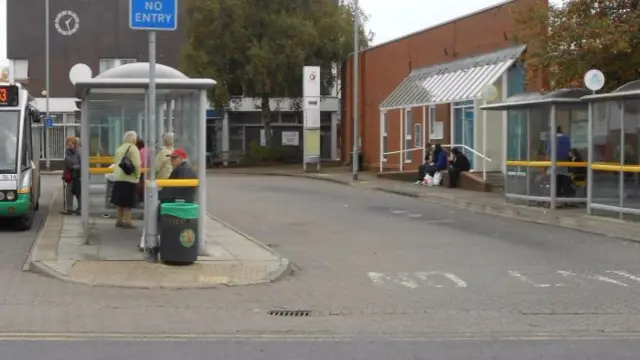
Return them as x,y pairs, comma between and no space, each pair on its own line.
439,162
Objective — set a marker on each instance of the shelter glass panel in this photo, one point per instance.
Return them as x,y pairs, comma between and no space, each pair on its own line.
606,141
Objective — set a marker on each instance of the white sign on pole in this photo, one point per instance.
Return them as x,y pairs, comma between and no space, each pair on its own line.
594,80
290,138
311,97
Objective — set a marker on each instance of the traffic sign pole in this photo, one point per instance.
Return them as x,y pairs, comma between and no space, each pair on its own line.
152,216
152,16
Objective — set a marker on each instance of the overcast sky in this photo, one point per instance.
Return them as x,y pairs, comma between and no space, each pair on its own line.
386,21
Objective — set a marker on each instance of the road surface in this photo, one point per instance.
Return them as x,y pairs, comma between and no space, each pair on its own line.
322,349
368,263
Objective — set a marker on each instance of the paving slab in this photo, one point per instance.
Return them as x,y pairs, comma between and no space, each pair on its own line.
109,256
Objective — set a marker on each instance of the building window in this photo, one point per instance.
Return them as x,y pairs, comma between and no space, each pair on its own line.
385,126
417,135
106,64
407,136
436,128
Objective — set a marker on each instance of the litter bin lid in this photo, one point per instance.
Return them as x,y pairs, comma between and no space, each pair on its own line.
180,210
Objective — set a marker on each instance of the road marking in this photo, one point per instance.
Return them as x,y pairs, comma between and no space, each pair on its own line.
406,280
625,274
580,277
5,337
399,212
518,275
426,275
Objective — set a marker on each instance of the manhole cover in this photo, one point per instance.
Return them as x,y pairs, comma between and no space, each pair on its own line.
290,313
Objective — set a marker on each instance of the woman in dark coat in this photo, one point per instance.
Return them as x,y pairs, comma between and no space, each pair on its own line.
71,175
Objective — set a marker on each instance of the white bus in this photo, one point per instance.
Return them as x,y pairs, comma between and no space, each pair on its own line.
19,171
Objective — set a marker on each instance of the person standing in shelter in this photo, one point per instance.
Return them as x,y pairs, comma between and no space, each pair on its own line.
563,148
181,170
71,175
126,173
162,161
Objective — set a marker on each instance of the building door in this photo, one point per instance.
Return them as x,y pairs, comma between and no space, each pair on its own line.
464,128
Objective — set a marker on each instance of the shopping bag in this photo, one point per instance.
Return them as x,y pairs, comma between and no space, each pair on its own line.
437,178
428,180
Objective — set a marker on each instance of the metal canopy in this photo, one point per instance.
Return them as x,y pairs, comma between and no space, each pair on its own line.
134,79
451,82
630,90
533,99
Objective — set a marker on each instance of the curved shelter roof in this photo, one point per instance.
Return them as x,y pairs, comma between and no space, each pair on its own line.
628,91
134,78
533,99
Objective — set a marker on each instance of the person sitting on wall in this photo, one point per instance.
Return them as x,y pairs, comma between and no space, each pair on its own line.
459,164
438,162
422,169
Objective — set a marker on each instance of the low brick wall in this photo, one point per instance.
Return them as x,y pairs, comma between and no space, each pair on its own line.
468,181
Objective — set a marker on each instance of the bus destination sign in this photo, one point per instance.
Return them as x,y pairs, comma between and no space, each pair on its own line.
9,95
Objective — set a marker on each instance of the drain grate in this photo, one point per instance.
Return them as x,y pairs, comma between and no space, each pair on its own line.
289,313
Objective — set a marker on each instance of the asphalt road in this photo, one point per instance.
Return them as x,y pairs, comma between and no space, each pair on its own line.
356,349
368,263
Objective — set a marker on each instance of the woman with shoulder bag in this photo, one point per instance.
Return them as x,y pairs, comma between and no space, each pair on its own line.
126,175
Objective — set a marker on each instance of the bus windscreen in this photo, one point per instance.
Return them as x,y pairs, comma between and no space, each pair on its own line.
9,126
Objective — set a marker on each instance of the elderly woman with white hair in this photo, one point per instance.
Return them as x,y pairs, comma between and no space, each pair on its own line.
126,175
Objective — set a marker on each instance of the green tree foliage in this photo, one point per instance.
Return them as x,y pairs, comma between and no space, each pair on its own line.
257,48
4,74
567,40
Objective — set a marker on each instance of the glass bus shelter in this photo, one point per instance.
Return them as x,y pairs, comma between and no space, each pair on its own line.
115,102
534,173
614,148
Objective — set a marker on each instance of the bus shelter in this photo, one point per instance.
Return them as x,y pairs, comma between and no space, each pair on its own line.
614,148
534,174
115,102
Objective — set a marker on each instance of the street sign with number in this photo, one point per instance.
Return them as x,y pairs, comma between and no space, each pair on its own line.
48,122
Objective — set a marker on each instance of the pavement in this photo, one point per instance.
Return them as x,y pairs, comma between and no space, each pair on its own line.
488,203
320,348
111,257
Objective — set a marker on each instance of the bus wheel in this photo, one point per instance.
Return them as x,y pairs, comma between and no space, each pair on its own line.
25,222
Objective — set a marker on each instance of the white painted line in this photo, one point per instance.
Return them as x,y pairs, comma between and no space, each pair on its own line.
426,276
405,280
625,274
415,215
398,212
377,278
519,276
578,277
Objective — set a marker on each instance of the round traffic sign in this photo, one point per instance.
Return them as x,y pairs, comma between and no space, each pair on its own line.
594,80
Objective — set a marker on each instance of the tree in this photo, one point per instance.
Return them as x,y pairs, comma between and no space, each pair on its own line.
578,35
257,48
4,74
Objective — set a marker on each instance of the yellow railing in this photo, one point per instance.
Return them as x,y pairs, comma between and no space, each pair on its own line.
165,183
101,160
100,170
612,167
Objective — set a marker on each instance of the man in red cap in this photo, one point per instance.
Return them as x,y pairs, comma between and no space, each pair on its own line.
181,170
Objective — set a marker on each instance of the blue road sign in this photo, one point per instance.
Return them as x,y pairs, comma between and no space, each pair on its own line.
153,15
48,122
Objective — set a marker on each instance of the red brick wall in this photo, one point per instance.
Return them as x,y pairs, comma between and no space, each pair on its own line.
383,68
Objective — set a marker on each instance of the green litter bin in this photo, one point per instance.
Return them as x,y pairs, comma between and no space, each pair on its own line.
179,232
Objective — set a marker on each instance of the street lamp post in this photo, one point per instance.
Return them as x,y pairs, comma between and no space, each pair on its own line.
356,50
46,72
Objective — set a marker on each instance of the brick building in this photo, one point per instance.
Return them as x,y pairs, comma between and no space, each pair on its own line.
427,87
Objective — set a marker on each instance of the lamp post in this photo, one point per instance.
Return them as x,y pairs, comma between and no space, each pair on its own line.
46,72
356,50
